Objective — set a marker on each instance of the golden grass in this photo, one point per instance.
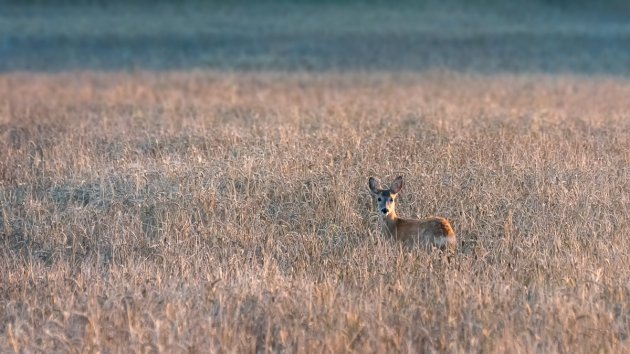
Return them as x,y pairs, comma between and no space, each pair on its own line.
215,212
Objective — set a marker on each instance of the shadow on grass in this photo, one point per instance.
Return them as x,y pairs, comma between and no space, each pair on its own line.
512,52
485,37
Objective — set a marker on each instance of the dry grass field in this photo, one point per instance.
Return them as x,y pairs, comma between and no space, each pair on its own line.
212,210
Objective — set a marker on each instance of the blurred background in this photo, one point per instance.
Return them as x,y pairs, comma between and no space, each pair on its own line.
485,36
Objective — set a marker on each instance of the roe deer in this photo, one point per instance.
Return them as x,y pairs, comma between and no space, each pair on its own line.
433,231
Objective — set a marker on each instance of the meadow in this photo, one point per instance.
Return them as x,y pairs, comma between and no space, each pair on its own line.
186,206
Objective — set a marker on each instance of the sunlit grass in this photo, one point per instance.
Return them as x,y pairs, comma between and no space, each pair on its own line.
218,212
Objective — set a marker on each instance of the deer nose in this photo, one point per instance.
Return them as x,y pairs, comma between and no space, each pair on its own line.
384,210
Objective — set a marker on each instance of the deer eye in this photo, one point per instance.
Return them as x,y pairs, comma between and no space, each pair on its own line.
379,199
391,199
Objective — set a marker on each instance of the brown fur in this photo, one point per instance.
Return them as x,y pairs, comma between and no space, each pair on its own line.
429,232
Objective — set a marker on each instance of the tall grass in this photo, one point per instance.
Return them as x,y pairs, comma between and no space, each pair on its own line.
214,212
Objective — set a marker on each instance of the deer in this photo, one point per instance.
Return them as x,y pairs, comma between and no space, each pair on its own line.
430,232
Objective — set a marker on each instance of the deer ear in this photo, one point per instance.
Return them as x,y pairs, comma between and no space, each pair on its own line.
373,184
397,185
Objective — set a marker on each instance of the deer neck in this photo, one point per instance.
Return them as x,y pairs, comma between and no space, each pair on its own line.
391,221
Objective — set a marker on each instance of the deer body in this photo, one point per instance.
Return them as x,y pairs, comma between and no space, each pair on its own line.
430,232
